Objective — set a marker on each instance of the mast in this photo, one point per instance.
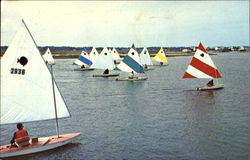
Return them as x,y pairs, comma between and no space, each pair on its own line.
54,98
52,79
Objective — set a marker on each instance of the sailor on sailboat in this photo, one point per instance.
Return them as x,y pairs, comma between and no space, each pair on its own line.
202,66
33,97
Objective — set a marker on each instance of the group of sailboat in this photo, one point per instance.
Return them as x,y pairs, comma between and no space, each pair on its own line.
33,73
110,62
33,97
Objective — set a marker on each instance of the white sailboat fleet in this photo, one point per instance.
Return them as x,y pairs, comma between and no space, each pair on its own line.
23,64
202,66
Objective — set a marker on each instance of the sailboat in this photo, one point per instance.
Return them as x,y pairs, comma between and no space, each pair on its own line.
33,97
83,61
202,66
48,57
145,59
93,55
105,61
160,58
131,63
116,57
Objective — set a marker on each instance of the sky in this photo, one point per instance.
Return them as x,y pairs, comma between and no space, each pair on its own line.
121,23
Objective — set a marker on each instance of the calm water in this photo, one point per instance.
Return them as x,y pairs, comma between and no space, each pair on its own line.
161,118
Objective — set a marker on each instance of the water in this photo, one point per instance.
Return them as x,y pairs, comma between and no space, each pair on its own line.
161,118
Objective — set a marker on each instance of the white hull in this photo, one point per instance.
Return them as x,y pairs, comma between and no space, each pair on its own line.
54,142
132,79
215,87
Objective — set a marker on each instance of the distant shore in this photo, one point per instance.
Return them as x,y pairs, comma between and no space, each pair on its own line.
74,52
75,55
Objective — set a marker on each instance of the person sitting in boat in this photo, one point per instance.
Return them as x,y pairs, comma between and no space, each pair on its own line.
132,75
210,83
20,137
82,66
106,71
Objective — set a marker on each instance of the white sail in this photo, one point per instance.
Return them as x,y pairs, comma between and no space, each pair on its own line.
48,57
145,57
131,62
26,83
83,59
104,60
93,54
115,55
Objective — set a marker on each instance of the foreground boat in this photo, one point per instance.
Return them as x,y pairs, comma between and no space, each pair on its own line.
202,66
38,145
33,97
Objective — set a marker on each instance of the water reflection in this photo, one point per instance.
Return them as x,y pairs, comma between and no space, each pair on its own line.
202,119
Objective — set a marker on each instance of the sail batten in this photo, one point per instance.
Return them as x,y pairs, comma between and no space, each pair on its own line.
30,97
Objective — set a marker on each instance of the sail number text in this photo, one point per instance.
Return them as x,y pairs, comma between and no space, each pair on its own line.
17,71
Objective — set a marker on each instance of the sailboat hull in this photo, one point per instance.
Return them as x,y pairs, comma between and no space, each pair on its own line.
43,144
132,79
106,75
83,69
215,87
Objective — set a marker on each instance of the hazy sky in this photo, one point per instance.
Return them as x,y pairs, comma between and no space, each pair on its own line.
121,23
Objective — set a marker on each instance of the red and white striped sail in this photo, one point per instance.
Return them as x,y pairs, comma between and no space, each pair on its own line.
201,65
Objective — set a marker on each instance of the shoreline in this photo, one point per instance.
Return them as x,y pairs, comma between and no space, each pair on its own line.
71,56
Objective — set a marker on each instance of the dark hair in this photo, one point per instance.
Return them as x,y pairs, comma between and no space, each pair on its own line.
19,125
